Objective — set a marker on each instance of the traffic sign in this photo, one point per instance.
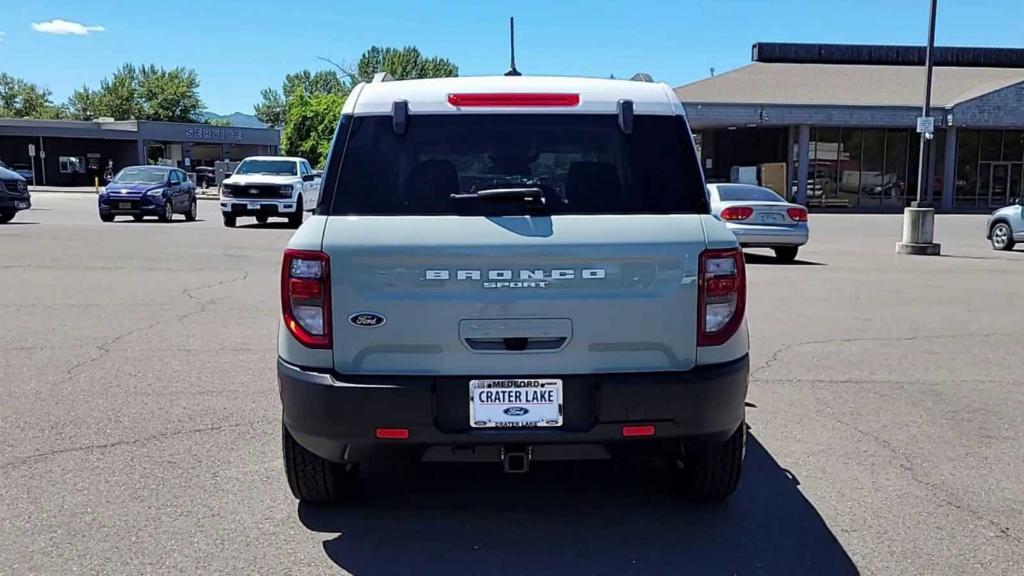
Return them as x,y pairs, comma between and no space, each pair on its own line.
925,125
31,149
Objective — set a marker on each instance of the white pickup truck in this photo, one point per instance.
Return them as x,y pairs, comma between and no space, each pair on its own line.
270,186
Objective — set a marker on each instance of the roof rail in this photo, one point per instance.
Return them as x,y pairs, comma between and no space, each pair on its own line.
382,77
642,77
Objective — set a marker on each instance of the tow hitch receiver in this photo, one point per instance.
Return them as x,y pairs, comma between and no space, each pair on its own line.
516,459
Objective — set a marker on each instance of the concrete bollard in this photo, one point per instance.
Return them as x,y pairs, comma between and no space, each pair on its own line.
918,233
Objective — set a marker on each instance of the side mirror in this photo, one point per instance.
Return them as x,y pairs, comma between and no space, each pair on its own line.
308,177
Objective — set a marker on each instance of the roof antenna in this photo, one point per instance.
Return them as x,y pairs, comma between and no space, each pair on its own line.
512,40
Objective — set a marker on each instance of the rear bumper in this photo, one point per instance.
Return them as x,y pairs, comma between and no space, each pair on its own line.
233,207
754,235
336,417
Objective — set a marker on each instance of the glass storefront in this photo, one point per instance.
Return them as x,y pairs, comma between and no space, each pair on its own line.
867,168
989,168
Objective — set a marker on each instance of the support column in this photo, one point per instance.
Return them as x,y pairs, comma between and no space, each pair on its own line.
949,174
140,151
801,174
790,142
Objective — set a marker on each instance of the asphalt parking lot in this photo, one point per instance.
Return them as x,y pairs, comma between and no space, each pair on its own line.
140,422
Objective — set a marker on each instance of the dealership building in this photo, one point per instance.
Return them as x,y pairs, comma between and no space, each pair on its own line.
843,118
73,153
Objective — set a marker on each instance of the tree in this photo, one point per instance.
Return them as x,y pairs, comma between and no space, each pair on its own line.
403,64
309,104
22,99
310,121
143,93
271,110
226,122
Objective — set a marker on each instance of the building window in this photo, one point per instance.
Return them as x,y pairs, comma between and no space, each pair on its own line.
874,188
823,159
72,165
967,168
850,149
894,175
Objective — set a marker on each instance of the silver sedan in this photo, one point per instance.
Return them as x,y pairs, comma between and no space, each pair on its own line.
760,218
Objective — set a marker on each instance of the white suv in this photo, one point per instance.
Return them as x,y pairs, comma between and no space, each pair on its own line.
270,186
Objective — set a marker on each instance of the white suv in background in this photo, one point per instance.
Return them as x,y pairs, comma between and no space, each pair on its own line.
270,186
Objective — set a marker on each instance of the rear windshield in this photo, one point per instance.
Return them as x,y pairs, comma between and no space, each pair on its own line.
747,193
582,164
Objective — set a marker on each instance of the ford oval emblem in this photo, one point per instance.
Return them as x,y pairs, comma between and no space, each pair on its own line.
516,411
366,320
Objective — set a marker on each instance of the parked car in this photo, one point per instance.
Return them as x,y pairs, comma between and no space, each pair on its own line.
454,299
25,171
206,177
760,218
269,187
14,194
140,191
1006,226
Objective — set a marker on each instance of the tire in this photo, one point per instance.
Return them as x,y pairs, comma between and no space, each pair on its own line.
1001,236
168,213
786,253
230,221
107,217
6,217
204,184
295,219
262,219
193,211
312,478
712,472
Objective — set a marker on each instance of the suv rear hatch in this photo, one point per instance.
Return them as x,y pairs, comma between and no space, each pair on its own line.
491,244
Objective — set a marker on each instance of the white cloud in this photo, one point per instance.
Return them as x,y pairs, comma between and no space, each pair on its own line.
58,26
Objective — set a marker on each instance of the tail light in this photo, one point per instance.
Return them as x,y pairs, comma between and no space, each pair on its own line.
737,213
797,214
722,295
306,297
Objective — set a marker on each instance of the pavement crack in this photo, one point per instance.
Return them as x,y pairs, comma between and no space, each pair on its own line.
132,442
777,354
904,463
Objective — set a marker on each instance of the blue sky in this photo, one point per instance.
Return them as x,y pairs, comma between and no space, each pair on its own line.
240,47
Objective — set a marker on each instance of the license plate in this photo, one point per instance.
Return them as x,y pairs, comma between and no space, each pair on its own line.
21,205
253,205
771,218
124,205
521,403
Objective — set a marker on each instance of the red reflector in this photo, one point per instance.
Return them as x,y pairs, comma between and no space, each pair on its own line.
301,288
633,431
513,100
797,214
392,433
720,286
737,213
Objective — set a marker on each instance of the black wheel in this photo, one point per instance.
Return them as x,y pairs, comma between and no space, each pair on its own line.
262,219
204,183
229,221
786,253
712,472
137,217
168,214
107,217
193,211
1002,236
295,219
312,478
6,217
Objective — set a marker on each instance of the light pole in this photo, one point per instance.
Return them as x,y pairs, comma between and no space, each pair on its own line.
919,219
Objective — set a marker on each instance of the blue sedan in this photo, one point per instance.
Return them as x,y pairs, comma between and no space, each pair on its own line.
140,191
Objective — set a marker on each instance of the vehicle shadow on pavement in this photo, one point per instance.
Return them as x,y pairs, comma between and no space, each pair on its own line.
582,518
754,258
